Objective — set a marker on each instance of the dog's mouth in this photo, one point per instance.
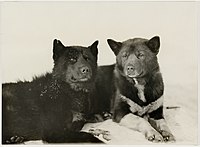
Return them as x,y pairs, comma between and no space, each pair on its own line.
79,79
135,75
81,84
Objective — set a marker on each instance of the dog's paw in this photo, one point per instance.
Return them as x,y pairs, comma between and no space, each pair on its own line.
77,125
153,136
100,117
105,134
15,140
167,136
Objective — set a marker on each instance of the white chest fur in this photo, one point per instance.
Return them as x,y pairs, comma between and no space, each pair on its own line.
140,89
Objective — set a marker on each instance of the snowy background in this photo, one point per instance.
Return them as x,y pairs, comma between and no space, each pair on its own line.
27,30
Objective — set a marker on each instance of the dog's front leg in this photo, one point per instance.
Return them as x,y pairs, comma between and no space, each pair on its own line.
156,119
140,124
161,126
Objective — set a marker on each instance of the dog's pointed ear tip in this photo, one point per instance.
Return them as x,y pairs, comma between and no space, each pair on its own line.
96,42
110,41
156,37
56,41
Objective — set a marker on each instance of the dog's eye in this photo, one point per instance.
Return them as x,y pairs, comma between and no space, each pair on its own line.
140,55
124,55
73,60
86,58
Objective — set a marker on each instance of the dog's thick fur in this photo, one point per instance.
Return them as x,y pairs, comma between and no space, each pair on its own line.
53,107
133,88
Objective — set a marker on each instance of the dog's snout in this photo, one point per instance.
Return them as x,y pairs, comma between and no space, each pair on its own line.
84,70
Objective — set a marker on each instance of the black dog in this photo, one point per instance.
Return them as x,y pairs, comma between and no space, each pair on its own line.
53,107
133,88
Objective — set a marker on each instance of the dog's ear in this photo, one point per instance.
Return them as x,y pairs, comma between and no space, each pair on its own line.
93,48
154,44
58,49
114,45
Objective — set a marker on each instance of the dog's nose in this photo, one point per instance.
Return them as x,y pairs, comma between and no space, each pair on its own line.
130,68
84,70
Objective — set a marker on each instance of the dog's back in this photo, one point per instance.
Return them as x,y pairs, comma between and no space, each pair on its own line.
21,113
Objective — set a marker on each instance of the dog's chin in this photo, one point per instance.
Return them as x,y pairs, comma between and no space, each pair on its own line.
79,87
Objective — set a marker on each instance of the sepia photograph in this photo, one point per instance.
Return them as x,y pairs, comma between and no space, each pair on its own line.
99,72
